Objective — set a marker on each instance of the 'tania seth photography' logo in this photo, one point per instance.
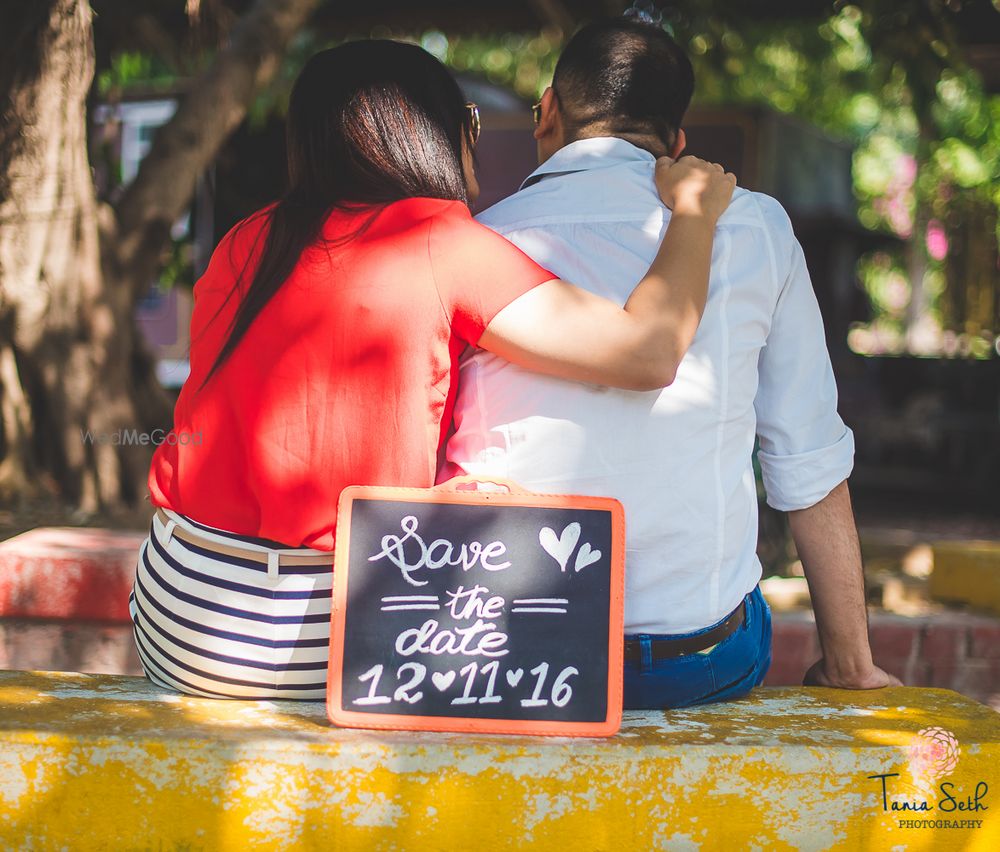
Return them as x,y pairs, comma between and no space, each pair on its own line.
933,755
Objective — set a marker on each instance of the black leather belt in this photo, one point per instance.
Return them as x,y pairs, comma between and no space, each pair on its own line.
663,649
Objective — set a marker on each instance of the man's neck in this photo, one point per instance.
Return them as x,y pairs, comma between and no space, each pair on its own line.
648,142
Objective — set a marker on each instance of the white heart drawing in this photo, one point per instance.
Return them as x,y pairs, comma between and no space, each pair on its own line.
586,557
442,680
514,676
560,548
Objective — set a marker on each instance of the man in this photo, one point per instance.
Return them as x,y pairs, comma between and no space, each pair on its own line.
697,628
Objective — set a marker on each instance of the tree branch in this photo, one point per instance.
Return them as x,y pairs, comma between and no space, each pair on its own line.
182,149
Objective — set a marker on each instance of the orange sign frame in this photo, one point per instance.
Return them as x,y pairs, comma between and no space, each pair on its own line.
455,724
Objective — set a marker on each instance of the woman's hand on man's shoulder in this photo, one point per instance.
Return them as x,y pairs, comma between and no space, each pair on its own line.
694,187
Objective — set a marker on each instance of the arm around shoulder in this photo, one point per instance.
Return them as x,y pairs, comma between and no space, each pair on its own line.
567,332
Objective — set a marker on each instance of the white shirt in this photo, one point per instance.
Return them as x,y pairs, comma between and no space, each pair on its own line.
678,459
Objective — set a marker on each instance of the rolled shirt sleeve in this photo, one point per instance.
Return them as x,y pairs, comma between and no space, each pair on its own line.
806,450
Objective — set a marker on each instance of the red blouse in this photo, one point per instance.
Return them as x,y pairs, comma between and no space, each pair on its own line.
346,377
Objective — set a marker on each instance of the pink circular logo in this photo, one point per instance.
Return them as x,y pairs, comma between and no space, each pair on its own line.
933,753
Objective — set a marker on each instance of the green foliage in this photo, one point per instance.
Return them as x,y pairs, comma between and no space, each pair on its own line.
130,70
885,74
177,268
521,62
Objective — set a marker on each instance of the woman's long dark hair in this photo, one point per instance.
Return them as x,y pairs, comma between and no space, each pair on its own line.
369,123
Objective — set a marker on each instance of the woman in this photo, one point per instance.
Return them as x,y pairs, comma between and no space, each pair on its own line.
325,343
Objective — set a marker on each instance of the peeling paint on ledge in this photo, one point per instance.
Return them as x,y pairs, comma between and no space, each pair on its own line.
105,762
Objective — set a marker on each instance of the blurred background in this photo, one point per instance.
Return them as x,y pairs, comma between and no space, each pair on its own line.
877,125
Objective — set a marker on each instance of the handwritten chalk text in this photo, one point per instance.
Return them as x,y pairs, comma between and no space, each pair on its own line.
410,553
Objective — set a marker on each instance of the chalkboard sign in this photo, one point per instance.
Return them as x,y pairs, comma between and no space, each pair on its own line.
477,611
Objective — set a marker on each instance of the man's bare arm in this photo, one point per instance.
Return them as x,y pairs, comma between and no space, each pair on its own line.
827,542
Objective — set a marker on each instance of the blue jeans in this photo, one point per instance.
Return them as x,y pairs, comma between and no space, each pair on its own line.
729,670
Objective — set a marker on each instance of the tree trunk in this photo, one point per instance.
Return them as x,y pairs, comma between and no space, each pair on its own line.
58,328
72,362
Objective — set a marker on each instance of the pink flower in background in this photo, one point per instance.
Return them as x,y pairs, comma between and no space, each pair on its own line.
897,201
906,170
937,240
933,754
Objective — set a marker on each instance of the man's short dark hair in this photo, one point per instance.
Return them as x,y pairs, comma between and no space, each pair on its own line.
628,76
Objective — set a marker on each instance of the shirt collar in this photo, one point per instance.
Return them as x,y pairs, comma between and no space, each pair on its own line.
600,152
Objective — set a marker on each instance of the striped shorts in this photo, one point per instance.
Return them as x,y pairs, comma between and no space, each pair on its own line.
213,623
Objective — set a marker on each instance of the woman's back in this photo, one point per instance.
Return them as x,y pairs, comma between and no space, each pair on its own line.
346,377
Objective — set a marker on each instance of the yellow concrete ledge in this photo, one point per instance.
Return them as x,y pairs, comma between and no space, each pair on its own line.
106,762
967,572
